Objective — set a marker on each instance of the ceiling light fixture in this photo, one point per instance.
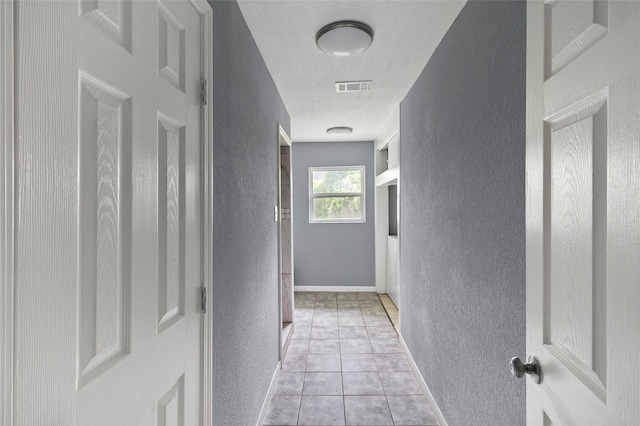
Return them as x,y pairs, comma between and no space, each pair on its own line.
344,38
340,131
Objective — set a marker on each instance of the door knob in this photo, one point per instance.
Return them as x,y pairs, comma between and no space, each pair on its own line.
532,368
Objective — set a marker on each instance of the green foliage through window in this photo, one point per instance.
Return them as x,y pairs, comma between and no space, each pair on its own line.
337,194
337,208
337,181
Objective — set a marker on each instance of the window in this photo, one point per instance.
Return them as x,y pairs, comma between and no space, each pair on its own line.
336,194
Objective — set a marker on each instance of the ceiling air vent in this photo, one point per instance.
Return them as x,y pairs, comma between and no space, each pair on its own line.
352,86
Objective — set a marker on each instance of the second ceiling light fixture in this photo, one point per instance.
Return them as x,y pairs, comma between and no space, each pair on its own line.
344,38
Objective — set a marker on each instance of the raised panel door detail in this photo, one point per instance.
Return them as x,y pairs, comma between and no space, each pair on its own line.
170,222
574,26
170,407
112,17
583,189
171,48
104,294
576,315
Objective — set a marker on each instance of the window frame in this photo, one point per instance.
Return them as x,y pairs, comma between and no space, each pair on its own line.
361,194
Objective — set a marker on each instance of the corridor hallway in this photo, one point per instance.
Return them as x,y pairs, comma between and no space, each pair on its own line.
345,366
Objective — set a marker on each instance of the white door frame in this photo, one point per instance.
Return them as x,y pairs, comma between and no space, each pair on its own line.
7,223
206,13
6,212
283,139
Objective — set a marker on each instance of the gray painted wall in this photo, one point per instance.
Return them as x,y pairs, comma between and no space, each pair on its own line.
340,254
462,253
247,110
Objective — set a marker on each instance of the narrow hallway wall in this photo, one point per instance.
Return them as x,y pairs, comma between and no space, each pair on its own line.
247,109
462,253
332,254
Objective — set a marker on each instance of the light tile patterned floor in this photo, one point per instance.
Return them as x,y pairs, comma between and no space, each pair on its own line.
344,366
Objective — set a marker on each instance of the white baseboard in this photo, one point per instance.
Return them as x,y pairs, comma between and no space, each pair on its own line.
267,399
423,385
337,288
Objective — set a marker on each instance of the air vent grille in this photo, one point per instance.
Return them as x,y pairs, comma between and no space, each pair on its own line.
352,86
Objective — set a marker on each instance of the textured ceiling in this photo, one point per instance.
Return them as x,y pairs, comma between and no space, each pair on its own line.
406,34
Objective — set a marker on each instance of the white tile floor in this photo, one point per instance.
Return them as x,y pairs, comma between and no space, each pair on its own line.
344,366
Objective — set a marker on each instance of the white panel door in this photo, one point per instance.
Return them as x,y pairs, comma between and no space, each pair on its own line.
583,211
109,235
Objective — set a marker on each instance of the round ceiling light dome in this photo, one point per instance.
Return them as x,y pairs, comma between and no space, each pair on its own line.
340,131
344,38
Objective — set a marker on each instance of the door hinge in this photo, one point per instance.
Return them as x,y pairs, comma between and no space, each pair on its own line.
203,93
203,299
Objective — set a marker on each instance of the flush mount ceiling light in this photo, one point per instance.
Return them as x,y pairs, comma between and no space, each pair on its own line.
340,131
344,38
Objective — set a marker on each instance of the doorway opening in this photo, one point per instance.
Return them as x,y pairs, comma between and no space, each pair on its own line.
387,150
285,242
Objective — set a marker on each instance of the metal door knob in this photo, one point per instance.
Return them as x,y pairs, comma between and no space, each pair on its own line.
532,368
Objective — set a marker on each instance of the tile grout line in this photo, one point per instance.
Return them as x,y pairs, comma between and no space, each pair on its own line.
340,349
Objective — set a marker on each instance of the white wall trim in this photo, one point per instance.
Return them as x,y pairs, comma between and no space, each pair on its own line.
6,212
267,399
283,137
335,288
202,7
381,231
206,13
423,385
